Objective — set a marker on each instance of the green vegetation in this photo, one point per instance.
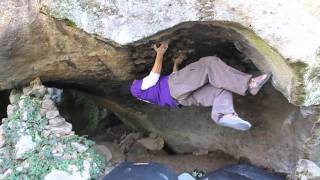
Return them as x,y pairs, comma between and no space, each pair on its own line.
69,22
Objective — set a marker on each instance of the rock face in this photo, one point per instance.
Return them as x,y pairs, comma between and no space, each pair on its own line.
306,170
31,147
281,133
35,45
296,36
57,52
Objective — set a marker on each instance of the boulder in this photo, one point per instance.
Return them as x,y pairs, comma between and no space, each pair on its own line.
275,21
56,51
281,133
306,169
153,144
25,144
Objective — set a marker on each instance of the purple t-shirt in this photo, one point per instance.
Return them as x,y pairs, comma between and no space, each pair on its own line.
158,94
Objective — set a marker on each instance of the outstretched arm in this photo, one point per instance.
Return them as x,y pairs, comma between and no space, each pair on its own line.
157,66
154,75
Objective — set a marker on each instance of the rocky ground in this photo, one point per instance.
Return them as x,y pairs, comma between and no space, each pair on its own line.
124,144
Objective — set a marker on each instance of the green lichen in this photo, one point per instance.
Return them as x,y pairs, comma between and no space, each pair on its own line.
68,22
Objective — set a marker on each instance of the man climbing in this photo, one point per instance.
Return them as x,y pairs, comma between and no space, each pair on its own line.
206,82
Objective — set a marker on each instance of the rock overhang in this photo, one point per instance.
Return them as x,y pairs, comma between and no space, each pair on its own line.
290,40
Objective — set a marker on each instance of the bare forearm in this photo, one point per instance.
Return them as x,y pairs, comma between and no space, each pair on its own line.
175,67
157,66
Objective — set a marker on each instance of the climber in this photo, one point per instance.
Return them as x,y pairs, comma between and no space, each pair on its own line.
206,82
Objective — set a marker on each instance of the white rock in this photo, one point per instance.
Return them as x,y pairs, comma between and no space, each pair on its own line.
2,138
12,97
26,90
43,112
21,103
103,150
306,169
64,129
153,144
63,175
24,115
58,175
11,109
24,145
80,147
56,122
52,114
46,133
48,104
6,174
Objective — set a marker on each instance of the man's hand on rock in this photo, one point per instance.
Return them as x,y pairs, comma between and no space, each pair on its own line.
162,48
179,59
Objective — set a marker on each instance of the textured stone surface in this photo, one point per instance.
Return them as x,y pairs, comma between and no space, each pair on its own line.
31,148
35,45
25,144
306,170
153,144
56,51
292,27
281,133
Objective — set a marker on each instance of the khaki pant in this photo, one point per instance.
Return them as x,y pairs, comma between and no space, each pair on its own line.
208,82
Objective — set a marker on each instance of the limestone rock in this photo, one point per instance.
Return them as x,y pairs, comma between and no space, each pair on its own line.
153,144
190,129
56,122
11,109
2,138
5,174
43,112
104,150
306,170
261,31
128,141
63,129
24,144
79,147
61,175
52,114
13,97
48,104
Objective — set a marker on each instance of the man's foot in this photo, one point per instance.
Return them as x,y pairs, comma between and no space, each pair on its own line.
256,83
233,121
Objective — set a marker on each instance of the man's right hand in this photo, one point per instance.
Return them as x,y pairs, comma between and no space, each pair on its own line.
162,48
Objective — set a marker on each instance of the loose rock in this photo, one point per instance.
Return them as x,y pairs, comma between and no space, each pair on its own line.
52,114
64,129
48,104
153,144
80,148
24,145
2,138
104,150
11,109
